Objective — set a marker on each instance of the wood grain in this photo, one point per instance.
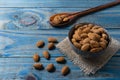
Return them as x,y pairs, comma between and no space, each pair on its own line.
17,43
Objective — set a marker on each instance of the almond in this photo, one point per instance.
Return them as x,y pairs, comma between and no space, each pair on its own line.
104,36
86,40
94,36
65,70
86,30
73,40
94,44
90,25
85,47
52,39
51,46
78,45
60,59
94,50
76,37
83,35
50,67
103,45
46,54
36,57
38,66
40,44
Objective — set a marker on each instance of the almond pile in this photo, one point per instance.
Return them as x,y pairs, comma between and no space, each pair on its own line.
90,37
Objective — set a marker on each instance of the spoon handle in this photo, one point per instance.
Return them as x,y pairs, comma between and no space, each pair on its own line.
95,9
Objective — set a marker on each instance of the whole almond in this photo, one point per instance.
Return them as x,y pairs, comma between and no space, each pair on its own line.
46,54
76,37
85,47
51,46
94,44
78,45
90,25
94,50
104,36
50,67
60,59
86,40
40,44
103,45
86,30
83,35
73,40
38,66
36,57
65,70
94,36
52,39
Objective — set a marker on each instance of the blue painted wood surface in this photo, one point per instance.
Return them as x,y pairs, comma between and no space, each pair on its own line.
17,41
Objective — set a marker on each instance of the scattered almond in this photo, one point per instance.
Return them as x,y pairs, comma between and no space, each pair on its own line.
36,57
46,54
38,66
65,70
40,44
50,67
60,59
52,39
51,46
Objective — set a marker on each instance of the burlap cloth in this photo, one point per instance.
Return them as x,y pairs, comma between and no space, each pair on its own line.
88,66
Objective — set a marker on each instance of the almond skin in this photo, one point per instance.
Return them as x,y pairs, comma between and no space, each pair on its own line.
51,46
85,47
38,66
60,59
46,54
94,50
36,57
65,70
40,44
52,39
50,67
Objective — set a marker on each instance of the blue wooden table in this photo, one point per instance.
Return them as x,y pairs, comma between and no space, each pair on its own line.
17,40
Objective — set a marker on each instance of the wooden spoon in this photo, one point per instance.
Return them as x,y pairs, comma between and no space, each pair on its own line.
58,20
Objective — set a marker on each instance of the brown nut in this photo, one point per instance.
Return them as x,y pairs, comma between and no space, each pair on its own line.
57,19
104,36
94,44
85,47
94,50
65,70
83,35
86,40
38,66
50,67
94,36
40,44
36,57
76,37
86,30
51,46
103,45
73,40
52,39
46,54
60,59
78,45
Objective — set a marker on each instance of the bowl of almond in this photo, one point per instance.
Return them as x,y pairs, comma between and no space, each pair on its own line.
88,39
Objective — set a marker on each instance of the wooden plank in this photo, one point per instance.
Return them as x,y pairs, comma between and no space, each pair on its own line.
22,67
53,3
8,21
